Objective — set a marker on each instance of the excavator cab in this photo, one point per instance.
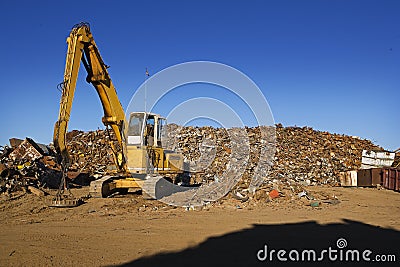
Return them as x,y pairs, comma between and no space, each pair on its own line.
145,129
144,146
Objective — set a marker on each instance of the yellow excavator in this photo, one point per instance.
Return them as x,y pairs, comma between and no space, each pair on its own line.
137,151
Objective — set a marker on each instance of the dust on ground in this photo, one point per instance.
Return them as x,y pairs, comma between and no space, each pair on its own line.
129,230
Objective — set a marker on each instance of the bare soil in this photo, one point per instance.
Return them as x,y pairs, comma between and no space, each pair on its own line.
129,230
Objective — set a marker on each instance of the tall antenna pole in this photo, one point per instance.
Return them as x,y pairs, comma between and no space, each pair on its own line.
145,90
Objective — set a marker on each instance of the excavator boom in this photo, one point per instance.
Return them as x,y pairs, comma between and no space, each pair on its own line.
82,47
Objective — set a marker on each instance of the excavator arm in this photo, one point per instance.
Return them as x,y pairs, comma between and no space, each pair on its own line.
82,47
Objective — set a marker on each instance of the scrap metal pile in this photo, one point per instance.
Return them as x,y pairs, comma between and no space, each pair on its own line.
295,156
303,155
26,164
90,152
306,154
281,161
396,163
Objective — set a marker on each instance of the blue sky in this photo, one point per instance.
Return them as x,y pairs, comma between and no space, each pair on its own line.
330,65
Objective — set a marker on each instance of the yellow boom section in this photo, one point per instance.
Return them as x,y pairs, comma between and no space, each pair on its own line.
81,47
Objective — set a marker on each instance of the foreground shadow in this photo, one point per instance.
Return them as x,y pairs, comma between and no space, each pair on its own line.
241,248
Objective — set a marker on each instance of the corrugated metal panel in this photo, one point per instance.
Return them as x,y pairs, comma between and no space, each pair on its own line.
390,177
369,177
364,178
385,178
373,159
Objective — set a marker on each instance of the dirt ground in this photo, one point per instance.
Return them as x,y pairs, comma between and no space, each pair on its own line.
131,231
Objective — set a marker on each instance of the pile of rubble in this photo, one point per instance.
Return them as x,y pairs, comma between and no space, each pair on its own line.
281,161
302,154
90,152
396,163
269,157
26,164
305,154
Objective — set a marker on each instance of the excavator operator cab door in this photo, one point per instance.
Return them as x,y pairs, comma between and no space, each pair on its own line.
161,130
148,134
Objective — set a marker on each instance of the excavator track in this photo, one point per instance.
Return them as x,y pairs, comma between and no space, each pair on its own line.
99,188
153,187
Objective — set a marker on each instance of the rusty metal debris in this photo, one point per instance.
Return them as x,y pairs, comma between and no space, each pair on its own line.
23,165
27,163
303,157
27,150
396,162
90,152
